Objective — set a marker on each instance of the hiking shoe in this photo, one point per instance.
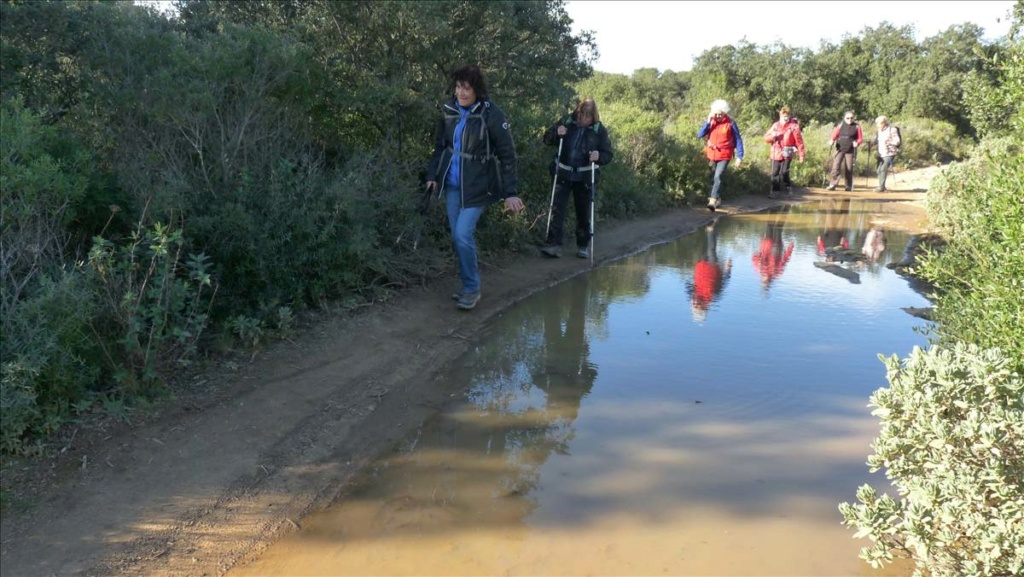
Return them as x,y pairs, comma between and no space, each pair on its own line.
773,194
789,191
848,188
583,252
551,251
468,300
879,189
713,203
457,295
830,187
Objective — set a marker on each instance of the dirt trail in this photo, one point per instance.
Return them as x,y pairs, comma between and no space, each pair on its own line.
206,486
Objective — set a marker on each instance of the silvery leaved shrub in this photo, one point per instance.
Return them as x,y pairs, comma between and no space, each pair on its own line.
952,444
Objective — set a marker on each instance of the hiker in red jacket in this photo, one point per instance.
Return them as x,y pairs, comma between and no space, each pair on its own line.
723,140
787,141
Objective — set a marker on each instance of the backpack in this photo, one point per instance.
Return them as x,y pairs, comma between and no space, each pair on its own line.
898,135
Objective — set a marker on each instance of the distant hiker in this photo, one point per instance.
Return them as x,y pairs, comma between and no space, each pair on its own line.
787,141
710,276
584,145
846,137
474,159
888,144
723,140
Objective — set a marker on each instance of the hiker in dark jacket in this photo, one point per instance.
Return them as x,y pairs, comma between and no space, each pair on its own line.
585,146
474,161
846,137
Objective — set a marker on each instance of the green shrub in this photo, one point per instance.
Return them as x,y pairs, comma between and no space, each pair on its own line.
39,189
50,359
952,443
155,302
980,274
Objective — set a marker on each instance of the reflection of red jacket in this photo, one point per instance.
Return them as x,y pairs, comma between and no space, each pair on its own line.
770,259
707,282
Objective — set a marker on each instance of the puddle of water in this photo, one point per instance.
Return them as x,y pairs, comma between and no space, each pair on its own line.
696,409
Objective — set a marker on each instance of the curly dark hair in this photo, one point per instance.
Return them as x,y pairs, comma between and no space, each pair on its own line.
472,75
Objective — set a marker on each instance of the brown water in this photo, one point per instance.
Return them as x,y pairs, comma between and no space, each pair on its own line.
695,409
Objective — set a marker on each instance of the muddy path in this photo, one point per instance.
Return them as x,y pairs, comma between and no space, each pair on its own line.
210,483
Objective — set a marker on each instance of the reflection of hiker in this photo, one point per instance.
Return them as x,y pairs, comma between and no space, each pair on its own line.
888,144
832,237
874,244
787,141
846,137
584,145
568,374
771,258
474,162
723,140
709,277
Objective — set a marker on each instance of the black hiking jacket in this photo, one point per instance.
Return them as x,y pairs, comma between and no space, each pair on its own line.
576,146
487,161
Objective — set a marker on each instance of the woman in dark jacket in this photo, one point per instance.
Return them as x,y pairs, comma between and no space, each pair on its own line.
585,146
474,159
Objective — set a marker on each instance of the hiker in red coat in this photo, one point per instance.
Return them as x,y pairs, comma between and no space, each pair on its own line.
787,141
709,277
771,258
723,140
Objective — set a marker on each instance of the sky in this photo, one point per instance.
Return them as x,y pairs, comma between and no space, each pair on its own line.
668,35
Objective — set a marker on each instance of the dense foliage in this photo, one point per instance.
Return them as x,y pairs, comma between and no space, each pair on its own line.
176,180
952,439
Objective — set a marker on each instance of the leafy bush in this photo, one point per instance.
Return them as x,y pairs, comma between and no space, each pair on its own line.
51,359
154,301
39,189
980,274
952,442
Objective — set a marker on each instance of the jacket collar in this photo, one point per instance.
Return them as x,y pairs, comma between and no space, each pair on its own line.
454,106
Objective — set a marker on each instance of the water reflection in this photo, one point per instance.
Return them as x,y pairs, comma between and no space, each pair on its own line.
772,254
710,275
605,428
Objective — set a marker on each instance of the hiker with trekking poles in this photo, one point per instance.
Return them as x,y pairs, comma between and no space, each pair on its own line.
846,137
583,147
722,141
474,161
787,141
887,143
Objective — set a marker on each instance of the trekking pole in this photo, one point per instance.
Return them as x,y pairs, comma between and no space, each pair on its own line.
554,182
827,180
592,186
865,174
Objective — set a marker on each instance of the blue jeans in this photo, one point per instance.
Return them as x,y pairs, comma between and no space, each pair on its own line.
717,167
883,169
463,226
